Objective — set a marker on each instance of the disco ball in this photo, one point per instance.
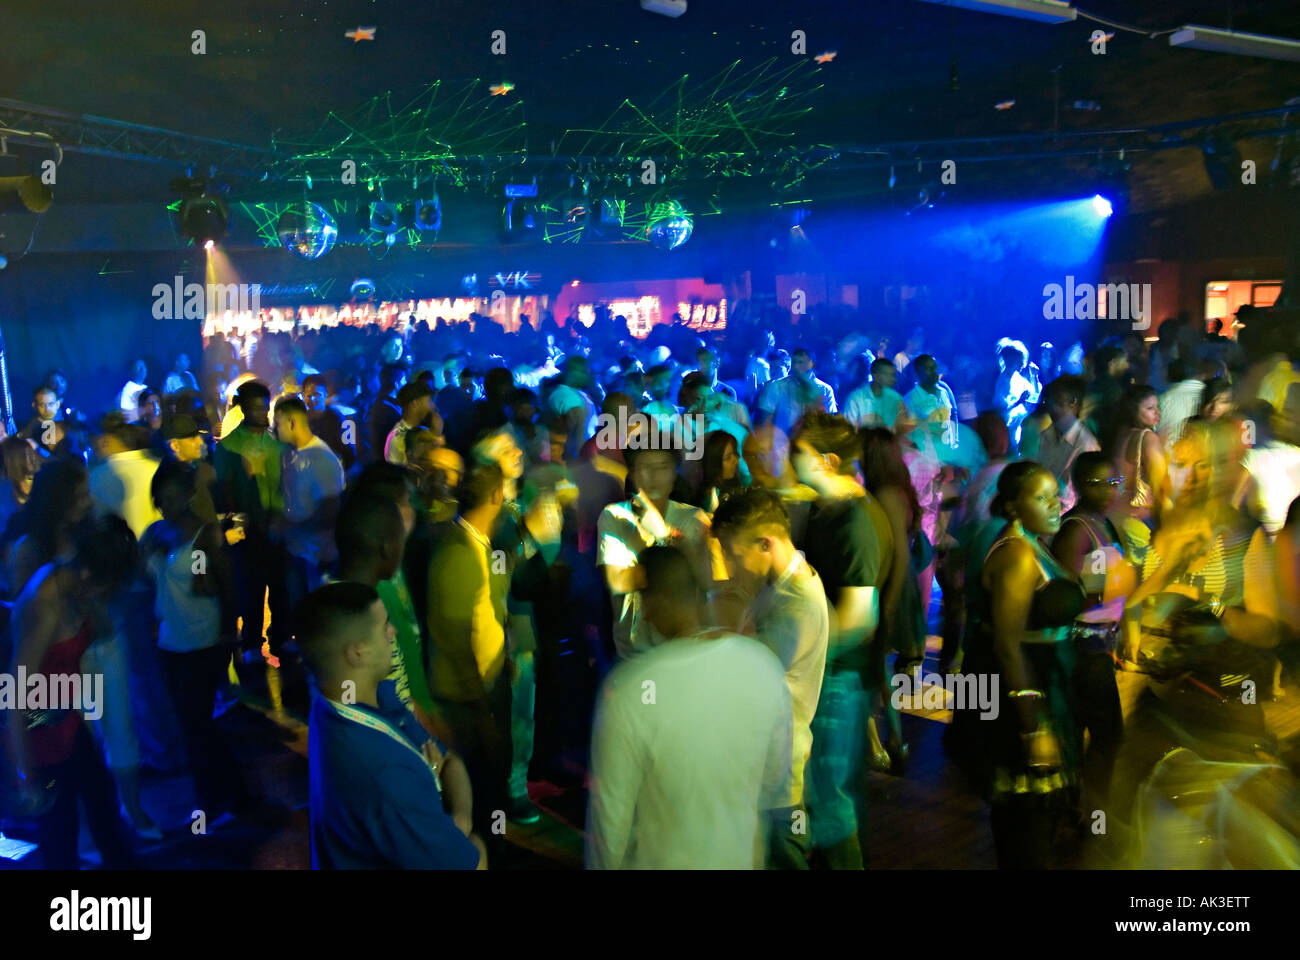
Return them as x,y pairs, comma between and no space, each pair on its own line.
307,232
670,226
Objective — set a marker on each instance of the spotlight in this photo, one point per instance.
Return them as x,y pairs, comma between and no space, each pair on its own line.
606,218
203,216
383,216
204,219
1101,206
1222,162
35,195
428,214
519,219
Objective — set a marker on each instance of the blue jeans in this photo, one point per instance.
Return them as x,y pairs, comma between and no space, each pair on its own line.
830,783
523,694
301,578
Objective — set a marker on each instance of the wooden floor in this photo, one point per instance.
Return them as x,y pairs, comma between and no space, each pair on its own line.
925,819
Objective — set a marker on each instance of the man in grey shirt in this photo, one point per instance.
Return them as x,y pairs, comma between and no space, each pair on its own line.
774,595
311,481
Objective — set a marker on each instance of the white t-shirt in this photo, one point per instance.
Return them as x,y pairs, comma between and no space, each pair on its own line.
691,742
788,399
129,399
564,398
121,485
187,621
865,409
926,406
620,541
1276,469
793,622
395,445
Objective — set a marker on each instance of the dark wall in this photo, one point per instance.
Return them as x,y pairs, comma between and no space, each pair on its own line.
91,317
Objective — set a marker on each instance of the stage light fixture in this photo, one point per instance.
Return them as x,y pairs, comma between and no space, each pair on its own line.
1044,11
520,218
383,216
669,8
34,195
1195,37
204,219
362,289
1101,206
607,214
1222,162
428,214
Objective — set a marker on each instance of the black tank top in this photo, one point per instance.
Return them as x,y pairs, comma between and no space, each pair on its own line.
1058,600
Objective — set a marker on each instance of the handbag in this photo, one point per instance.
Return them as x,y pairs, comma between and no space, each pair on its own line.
1142,495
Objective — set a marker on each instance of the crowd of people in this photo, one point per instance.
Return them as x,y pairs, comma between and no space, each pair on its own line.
487,588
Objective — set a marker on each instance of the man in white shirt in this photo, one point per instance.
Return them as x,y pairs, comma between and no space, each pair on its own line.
691,741
128,401
705,411
626,529
785,401
311,481
783,604
758,372
180,377
930,401
707,365
1272,478
1179,403
1065,437
119,483
877,403
415,399
570,404
658,381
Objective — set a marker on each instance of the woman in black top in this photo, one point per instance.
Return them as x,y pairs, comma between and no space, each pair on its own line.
721,468
1025,757
1090,546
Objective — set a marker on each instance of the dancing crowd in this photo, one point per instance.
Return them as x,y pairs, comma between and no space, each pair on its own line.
686,571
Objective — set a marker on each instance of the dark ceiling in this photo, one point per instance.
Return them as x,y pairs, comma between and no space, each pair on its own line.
902,70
